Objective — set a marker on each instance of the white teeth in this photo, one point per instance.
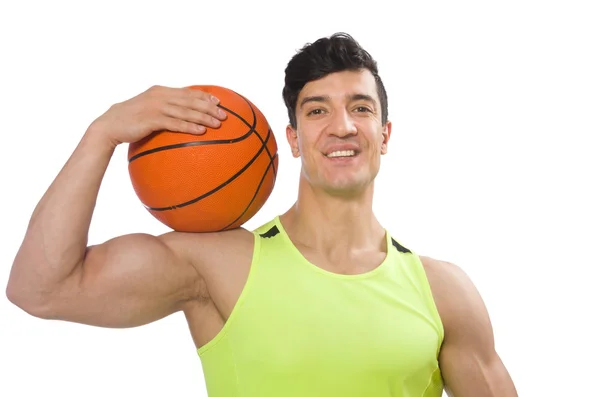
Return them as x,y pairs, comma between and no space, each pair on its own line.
341,153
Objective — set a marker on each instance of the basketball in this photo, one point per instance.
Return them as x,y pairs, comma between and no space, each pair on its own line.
211,182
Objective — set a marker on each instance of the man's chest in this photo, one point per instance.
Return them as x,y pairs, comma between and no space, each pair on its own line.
353,329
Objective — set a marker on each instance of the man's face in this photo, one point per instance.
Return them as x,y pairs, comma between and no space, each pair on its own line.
339,134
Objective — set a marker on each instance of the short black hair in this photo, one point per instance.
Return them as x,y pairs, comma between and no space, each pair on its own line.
336,53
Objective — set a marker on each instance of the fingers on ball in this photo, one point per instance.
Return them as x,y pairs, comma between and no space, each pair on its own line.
178,125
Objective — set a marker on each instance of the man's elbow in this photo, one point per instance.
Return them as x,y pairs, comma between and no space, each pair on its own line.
30,302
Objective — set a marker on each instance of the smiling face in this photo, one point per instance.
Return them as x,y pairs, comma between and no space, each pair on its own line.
339,134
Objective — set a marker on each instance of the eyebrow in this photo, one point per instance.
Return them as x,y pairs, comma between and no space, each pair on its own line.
325,98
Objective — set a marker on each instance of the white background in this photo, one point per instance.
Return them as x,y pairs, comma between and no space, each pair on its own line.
493,163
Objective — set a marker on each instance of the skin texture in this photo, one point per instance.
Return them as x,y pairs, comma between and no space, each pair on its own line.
137,279
468,360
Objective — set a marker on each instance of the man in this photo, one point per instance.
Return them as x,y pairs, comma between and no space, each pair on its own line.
320,301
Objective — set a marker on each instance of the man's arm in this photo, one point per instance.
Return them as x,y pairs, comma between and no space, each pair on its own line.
469,363
126,281
129,280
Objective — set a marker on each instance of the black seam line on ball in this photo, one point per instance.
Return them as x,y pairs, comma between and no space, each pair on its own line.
272,159
222,185
252,130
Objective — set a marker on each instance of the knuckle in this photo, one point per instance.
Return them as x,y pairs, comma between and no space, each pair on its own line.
183,126
203,117
191,93
187,127
155,91
198,104
177,126
202,95
213,121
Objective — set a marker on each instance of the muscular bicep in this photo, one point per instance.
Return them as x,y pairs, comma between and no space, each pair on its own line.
128,281
469,363
469,372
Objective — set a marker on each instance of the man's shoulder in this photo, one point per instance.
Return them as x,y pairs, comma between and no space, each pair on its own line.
199,240
453,290
211,248
438,269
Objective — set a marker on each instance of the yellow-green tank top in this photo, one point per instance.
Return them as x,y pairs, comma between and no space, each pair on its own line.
298,330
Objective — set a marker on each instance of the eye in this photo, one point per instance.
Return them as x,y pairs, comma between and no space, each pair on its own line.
316,112
362,109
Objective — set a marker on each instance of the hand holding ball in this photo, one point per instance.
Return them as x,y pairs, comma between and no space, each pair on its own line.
210,182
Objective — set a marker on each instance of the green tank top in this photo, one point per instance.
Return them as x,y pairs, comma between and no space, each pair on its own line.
298,330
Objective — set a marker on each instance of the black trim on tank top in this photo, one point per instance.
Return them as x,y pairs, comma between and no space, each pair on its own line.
270,233
400,248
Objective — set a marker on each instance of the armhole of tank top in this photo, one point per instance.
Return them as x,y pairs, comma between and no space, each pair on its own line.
236,308
429,299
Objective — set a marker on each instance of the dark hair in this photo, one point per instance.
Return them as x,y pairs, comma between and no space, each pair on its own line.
339,52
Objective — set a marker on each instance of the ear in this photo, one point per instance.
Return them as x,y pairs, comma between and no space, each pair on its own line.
292,137
386,133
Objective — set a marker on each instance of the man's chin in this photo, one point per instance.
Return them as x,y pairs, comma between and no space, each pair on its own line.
347,189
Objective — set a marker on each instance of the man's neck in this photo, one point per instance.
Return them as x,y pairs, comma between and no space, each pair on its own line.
331,224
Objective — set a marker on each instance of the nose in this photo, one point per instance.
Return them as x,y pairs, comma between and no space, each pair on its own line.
342,124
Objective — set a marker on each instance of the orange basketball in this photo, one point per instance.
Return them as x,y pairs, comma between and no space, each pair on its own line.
211,182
